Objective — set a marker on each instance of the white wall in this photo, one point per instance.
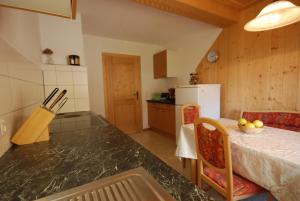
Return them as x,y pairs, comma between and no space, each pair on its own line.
21,81
63,36
21,30
94,46
191,49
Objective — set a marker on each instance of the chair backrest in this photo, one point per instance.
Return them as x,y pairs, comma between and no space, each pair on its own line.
189,113
283,120
213,151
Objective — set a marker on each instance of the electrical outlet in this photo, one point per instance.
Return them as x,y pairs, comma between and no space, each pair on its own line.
3,128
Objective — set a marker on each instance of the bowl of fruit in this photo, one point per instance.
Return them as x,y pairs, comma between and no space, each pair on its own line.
248,127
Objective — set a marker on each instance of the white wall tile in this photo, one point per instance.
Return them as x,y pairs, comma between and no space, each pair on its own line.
49,77
80,78
64,78
69,88
3,68
79,69
48,89
4,143
63,68
81,91
25,93
76,89
6,95
21,90
9,122
24,71
82,104
48,67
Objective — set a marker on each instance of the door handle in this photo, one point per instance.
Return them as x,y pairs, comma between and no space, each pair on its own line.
137,95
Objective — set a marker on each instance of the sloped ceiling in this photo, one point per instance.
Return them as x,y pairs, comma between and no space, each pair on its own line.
127,20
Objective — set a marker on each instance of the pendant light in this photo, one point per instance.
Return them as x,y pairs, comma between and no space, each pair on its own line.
275,15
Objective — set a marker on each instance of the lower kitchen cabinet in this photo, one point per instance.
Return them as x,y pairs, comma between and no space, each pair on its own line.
161,117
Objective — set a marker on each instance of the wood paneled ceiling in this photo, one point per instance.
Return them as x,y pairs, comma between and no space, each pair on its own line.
237,4
218,12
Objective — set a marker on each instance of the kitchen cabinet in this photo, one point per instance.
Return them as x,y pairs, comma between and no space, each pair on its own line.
161,117
62,8
166,64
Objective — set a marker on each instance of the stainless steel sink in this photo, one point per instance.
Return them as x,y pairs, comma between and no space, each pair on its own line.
133,185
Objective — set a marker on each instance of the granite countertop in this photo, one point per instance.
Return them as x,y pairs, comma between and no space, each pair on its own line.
82,149
170,102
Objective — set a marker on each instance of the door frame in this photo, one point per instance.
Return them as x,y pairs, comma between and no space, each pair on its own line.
110,118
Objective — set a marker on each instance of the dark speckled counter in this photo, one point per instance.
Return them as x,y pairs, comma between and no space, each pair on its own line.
169,102
82,149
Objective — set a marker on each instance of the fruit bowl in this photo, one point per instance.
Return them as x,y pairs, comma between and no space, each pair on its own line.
250,130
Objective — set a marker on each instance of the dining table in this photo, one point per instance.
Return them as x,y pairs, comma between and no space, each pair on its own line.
270,158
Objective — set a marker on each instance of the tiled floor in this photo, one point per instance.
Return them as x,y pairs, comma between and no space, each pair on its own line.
164,148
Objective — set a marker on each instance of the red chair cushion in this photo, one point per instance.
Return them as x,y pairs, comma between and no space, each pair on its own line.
283,120
190,114
241,186
211,146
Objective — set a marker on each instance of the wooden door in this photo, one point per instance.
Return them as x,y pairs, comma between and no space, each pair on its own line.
122,80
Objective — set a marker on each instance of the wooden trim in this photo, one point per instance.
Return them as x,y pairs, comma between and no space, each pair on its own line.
73,7
140,93
105,86
194,176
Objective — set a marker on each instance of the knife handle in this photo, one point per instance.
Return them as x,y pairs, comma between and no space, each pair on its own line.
60,96
46,101
61,104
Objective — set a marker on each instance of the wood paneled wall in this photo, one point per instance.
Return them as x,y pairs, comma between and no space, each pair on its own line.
258,71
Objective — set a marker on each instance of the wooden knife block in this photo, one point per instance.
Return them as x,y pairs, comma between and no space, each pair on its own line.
35,128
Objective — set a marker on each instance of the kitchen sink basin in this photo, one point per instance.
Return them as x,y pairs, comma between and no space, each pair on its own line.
133,185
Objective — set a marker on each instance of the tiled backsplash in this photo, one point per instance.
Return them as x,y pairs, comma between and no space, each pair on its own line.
72,78
21,87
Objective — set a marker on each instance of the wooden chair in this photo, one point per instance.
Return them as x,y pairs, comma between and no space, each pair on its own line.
214,164
189,114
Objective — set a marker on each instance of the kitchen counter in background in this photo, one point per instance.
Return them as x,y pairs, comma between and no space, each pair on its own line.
171,102
83,148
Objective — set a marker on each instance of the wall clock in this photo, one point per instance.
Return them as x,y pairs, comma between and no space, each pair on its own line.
212,56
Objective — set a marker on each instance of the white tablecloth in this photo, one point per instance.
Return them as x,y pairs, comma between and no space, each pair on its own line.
271,158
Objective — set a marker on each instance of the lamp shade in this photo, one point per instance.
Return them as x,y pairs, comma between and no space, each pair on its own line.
275,15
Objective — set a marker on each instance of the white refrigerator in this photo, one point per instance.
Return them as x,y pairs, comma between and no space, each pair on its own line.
205,95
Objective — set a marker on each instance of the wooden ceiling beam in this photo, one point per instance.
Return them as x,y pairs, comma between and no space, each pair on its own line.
209,11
